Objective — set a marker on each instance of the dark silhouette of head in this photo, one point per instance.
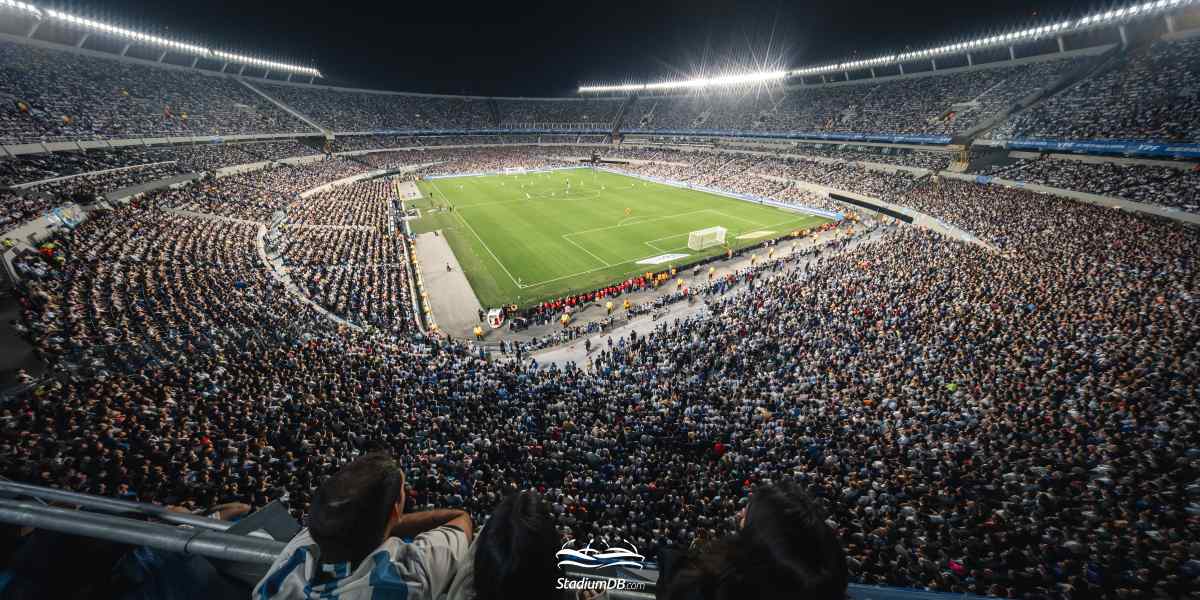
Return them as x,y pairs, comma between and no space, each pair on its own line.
515,553
353,511
784,550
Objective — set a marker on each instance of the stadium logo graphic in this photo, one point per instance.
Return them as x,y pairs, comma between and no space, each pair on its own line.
616,555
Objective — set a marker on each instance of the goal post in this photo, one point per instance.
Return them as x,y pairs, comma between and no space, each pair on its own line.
706,238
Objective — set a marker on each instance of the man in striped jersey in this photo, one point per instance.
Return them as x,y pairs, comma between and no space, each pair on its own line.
359,544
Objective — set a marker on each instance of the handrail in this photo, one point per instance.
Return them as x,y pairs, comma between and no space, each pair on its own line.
111,506
200,542
257,552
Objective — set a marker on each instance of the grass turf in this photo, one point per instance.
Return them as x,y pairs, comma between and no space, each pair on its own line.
524,238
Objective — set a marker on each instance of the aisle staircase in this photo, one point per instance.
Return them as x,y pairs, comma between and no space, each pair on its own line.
494,108
619,118
285,108
1088,69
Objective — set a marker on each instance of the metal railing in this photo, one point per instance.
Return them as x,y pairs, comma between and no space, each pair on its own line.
110,506
185,540
248,556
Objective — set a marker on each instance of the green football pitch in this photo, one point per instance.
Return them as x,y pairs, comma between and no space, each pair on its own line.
522,239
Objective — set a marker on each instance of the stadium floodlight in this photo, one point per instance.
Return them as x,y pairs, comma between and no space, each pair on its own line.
22,6
1092,21
153,40
1108,18
736,79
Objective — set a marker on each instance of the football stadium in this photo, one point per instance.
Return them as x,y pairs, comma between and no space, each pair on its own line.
526,238
753,299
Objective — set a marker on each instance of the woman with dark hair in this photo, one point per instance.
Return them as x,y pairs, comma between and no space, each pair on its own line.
784,549
514,556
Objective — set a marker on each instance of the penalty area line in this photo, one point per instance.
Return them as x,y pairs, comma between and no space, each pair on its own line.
481,242
577,245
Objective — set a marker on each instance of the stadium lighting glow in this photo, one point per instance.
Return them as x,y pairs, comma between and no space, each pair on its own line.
1051,30
1106,19
143,38
702,82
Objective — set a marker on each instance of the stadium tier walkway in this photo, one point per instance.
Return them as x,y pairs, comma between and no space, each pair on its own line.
453,302
408,190
328,226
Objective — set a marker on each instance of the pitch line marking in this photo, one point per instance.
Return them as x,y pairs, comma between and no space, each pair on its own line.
540,283
576,244
744,220
484,244
640,222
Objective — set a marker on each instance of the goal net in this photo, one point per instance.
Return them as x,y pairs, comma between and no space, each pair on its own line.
706,238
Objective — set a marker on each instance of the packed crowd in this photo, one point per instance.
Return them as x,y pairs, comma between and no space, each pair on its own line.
375,295
208,157
532,111
1016,423
61,94
367,204
17,208
84,177
348,110
1147,94
89,187
934,161
931,104
1176,186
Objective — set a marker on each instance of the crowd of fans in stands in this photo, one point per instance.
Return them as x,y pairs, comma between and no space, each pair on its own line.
1149,94
1015,423
58,94
1166,185
61,94
934,161
1014,419
531,111
349,111
937,104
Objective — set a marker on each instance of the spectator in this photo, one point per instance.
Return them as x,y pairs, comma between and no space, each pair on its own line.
353,545
514,554
784,548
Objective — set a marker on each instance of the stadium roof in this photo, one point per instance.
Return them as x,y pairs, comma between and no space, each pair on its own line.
169,45
1107,18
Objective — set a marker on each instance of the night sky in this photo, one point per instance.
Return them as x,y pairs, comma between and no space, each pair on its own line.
549,48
